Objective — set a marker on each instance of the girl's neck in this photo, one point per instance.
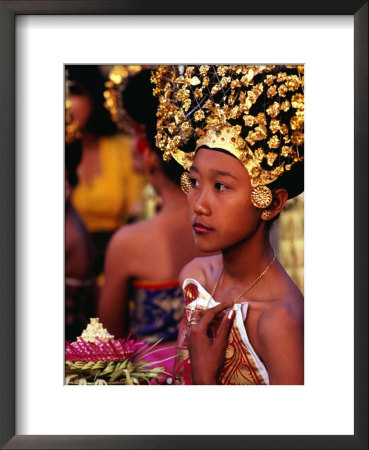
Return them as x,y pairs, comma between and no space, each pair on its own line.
171,195
89,140
249,258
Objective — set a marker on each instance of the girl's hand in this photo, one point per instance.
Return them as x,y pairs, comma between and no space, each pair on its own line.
207,352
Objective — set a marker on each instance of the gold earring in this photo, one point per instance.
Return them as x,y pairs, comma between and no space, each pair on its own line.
261,196
185,182
266,214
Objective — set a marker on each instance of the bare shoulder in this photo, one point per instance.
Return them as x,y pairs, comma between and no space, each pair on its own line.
124,243
202,269
127,235
285,316
281,339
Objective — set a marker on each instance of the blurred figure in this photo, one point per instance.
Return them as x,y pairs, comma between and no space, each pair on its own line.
291,239
108,188
141,292
80,286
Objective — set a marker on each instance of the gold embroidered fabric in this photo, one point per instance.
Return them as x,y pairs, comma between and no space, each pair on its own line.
242,366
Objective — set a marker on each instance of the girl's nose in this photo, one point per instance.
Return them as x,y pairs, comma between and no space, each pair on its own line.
201,206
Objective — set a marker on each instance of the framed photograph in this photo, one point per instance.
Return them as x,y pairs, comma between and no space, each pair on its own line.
36,40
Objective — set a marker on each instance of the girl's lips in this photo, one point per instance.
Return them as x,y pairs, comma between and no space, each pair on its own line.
200,228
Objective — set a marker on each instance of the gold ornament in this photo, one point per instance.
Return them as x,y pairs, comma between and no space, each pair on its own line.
72,131
266,214
221,107
185,182
118,79
261,196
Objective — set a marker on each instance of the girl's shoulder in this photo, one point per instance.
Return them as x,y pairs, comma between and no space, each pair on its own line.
204,269
285,310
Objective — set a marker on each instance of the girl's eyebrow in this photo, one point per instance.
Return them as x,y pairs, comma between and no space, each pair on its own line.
221,172
215,172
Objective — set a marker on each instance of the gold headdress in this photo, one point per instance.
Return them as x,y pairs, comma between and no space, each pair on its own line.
118,79
72,131
254,112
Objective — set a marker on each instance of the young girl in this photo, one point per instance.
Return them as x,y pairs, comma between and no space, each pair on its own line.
244,315
108,189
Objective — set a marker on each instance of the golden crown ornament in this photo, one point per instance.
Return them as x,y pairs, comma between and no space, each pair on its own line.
115,86
254,112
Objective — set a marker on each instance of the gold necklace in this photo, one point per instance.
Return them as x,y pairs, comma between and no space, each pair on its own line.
249,287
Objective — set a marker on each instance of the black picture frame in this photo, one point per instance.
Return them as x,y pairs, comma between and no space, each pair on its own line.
8,12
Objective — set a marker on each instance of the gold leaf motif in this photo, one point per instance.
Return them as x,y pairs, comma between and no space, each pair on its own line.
297,101
195,81
293,82
286,151
282,90
296,123
225,81
204,70
235,112
282,76
199,115
198,94
236,84
274,142
272,91
249,120
297,138
274,126
189,71
240,143
172,128
260,119
285,106
186,104
222,70
182,95
215,89
271,157
284,129
259,155
269,79
273,110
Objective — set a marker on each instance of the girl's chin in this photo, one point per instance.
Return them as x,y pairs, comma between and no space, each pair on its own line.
210,251
206,248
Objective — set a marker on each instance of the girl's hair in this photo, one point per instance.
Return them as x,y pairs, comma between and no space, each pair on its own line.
73,153
87,79
141,106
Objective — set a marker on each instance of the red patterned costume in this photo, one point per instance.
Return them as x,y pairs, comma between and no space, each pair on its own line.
242,365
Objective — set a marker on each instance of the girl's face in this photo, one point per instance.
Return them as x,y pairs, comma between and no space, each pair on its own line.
221,211
81,106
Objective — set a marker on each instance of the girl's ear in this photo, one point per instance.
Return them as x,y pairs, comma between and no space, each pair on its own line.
151,161
280,196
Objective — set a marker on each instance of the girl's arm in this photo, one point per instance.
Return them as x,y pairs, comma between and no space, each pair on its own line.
112,306
282,342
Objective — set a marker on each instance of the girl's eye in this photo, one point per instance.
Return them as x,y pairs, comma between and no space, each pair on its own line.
193,182
220,187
